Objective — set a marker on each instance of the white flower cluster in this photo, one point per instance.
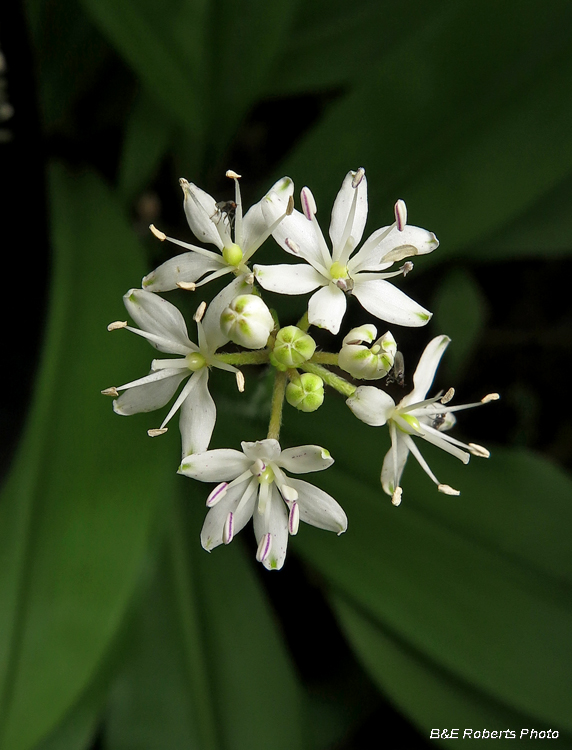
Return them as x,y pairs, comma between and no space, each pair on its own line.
253,483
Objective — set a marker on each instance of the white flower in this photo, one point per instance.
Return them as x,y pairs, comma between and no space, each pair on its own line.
338,272
253,484
247,321
213,223
162,324
416,416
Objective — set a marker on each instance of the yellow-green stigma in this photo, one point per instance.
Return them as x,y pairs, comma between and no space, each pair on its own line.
337,271
267,476
195,361
232,255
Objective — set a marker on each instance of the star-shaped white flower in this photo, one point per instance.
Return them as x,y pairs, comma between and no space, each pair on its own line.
162,324
253,483
237,237
416,416
337,272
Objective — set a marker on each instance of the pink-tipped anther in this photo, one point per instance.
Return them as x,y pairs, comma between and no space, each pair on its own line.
358,177
264,548
400,215
308,203
217,494
228,530
292,246
294,519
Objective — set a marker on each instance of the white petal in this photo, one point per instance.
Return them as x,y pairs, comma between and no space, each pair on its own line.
304,458
426,369
327,307
201,212
289,279
198,416
388,245
366,332
372,405
212,531
387,302
266,450
394,463
151,396
318,508
186,267
300,230
155,315
275,522
220,465
341,211
260,217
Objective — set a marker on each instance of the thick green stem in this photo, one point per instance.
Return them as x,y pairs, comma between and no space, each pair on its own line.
334,381
280,379
258,357
324,358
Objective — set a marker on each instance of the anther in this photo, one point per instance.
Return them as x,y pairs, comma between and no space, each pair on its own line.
448,396
217,494
111,392
249,279
358,177
115,326
490,397
400,215
233,175
290,206
406,268
264,548
289,493
240,381
294,519
157,432
479,450
258,467
188,286
308,203
396,497
198,316
446,490
292,246
157,232
228,529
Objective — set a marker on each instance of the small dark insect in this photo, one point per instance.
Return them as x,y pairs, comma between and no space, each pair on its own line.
397,372
438,422
225,208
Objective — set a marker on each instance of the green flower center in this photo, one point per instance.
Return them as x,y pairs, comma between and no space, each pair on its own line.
337,271
267,476
195,361
232,255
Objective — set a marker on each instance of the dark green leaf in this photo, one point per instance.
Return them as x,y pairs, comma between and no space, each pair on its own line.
75,514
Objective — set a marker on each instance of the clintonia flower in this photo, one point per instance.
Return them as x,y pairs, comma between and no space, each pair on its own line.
162,324
254,484
213,223
416,416
339,271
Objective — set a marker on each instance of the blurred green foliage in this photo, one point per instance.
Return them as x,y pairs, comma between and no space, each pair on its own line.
116,630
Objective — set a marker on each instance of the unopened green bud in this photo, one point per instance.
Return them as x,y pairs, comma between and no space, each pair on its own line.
306,393
366,363
293,346
247,321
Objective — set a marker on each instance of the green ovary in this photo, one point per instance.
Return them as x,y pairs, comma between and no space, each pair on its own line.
232,255
267,476
195,361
